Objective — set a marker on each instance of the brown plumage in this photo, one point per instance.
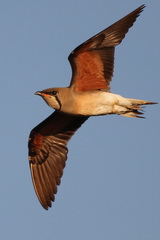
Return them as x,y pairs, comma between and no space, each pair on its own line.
93,61
88,94
48,153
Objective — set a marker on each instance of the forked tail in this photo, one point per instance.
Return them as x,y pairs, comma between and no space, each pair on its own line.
134,108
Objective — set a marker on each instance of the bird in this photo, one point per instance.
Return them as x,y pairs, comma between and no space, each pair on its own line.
88,95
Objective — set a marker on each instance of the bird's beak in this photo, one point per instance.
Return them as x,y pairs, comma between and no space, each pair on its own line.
41,94
38,93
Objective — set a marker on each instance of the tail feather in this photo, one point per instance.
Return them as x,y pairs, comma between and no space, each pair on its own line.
132,113
134,108
140,102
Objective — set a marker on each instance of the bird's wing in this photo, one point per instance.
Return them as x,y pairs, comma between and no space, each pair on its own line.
93,61
48,153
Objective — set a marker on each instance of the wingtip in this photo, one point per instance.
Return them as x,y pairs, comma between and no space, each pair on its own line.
142,6
140,9
45,205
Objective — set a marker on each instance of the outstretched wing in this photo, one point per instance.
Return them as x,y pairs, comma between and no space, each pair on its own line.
93,61
48,153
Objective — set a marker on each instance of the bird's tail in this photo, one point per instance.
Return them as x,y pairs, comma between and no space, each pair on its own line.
134,108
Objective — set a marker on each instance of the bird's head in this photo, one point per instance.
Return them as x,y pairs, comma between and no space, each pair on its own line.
51,97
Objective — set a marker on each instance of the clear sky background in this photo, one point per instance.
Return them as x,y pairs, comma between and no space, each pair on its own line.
111,184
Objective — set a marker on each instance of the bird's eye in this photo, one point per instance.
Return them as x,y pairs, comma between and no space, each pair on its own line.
54,93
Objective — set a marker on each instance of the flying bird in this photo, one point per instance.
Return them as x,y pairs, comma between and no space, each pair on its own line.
87,95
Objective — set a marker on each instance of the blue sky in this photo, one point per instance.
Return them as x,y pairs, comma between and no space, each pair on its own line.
111,184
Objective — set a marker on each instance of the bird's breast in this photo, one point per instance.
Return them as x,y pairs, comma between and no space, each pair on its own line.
91,103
